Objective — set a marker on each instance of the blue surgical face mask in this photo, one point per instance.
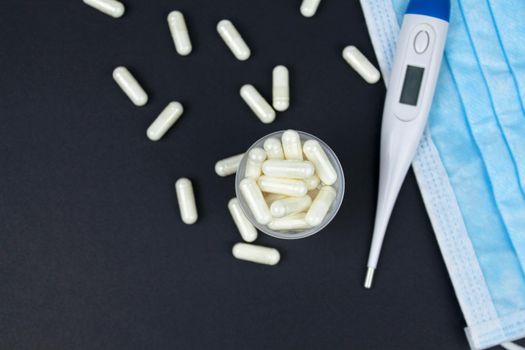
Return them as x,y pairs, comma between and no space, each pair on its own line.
470,165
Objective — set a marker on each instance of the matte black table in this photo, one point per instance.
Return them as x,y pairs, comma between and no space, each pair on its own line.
93,252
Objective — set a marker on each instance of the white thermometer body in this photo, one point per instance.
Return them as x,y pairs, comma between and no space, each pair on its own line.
409,97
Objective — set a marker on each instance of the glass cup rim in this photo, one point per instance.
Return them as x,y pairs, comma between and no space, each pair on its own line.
333,210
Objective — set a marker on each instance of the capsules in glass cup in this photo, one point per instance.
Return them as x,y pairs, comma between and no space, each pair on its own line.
179,33
290,205
320,206
312,182
292,222
288,187
165,121
130,86
111,8
313,193
255,253
272,197
257,104
292,169
292,146
228,166
273,148
361,64
315,153
186,200
254,163
233,40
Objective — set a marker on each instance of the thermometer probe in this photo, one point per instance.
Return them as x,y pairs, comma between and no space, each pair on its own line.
419,52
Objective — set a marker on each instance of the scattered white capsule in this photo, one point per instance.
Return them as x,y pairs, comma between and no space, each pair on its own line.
130,86
361,64
292,146
272,197
112,8
289,223
320,206
316,154
254,163
273,148
179,33
294,169
256,254
255,200
312,182
245,227
288,187
281,88
291,205
165,121
257,104
228,166
233,40
186,199
309,7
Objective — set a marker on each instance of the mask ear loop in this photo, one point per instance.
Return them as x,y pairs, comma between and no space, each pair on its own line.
511,346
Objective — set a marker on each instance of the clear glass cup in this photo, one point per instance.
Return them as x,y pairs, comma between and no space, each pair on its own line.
339,186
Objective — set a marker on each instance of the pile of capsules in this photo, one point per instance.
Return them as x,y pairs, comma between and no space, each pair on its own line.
285,191
279,172
286,185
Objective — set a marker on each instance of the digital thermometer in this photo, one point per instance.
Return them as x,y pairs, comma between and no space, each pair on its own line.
409,96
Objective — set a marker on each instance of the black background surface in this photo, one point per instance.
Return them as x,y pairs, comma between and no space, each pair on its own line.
93,254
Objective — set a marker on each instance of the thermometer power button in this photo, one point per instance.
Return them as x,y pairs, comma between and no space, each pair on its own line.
421,42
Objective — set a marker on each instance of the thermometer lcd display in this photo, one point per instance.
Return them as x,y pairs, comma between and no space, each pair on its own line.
412,85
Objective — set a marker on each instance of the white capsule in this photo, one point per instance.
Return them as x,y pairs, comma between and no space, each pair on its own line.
291,205
312,182
289,223
272,197
273,148
281,88
228,166
320,206
316,154
255,200
292,146
179,33
309,7
233,40
186,199
256,254
245,227
112,8
361,64
257,104
130,86
165,121
294,169
254,163
289,187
